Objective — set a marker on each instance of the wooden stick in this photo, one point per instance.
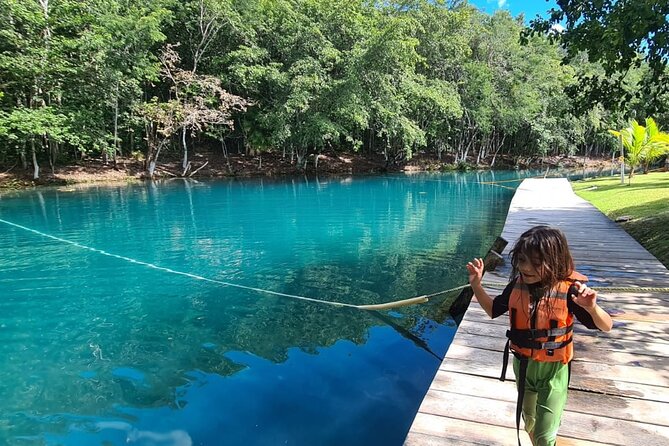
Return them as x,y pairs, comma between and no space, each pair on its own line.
491,261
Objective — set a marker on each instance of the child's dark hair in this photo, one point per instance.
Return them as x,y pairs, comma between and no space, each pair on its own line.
548,247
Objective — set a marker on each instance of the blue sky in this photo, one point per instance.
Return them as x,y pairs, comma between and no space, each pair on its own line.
529,7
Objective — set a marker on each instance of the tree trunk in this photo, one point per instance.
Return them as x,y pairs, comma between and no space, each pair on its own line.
154,145
585,157
154,161
56,150
246,145
463,158
34,155
301,158
116,145
131,134
24,161
225,153
184,163
494,157
186,169
371,142
48,146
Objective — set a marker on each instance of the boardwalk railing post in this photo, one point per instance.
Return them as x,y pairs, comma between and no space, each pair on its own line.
491,261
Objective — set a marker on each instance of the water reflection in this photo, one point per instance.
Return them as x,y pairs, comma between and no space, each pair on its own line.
111,341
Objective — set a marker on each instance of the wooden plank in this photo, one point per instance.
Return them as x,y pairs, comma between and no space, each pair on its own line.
454,431
417,438
581,380
587,348
589,353
478,331
643,303
576,425
631,328
647,347
634,323
566,441
583,352
623,266
642,411
643,309
584,402
486,360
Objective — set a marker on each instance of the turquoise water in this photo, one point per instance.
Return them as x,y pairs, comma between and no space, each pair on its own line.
98,350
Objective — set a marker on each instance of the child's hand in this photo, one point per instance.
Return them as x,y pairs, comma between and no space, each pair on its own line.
586,297
475,269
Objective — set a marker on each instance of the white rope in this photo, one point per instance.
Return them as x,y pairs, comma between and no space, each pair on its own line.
381,306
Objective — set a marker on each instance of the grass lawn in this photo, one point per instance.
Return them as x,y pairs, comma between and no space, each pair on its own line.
646,201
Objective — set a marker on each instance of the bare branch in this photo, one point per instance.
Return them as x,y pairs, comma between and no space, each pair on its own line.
198,169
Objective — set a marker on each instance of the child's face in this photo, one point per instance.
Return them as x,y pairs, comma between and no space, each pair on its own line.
529,268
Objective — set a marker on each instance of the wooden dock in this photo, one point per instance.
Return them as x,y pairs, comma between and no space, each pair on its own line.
619,391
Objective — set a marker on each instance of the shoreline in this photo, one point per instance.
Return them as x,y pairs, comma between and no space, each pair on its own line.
268,165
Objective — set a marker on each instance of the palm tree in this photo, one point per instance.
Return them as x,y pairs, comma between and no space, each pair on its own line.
643,144
657,142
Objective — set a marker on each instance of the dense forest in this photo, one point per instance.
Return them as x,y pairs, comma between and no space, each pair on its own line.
124,78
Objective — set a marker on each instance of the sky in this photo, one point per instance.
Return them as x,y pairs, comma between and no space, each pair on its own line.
529,7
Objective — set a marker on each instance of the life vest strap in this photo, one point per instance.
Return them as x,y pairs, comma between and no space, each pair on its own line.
522,373
505,362
537,345
536,333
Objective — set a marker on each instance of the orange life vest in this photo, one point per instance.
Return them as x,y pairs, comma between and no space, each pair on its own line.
543,329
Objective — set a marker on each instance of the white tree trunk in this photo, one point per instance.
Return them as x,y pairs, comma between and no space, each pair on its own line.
116,145
24,162
184,164
34,155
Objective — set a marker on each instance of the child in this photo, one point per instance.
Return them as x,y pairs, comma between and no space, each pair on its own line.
544,295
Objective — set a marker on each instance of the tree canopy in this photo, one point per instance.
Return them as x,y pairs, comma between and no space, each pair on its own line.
301,77
620,36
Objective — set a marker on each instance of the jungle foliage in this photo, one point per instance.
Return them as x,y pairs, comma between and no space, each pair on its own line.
298,77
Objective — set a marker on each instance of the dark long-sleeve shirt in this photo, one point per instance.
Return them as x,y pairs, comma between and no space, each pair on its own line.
500,305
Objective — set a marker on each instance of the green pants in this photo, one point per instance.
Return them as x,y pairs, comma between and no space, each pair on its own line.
546,385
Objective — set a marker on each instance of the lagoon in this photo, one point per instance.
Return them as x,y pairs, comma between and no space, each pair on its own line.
97,349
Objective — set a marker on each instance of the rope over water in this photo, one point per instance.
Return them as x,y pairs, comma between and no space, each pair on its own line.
382,306
371,307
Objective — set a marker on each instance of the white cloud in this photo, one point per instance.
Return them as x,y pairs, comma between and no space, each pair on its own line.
557,28
501,3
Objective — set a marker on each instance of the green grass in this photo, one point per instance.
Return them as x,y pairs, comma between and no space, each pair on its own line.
646,200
